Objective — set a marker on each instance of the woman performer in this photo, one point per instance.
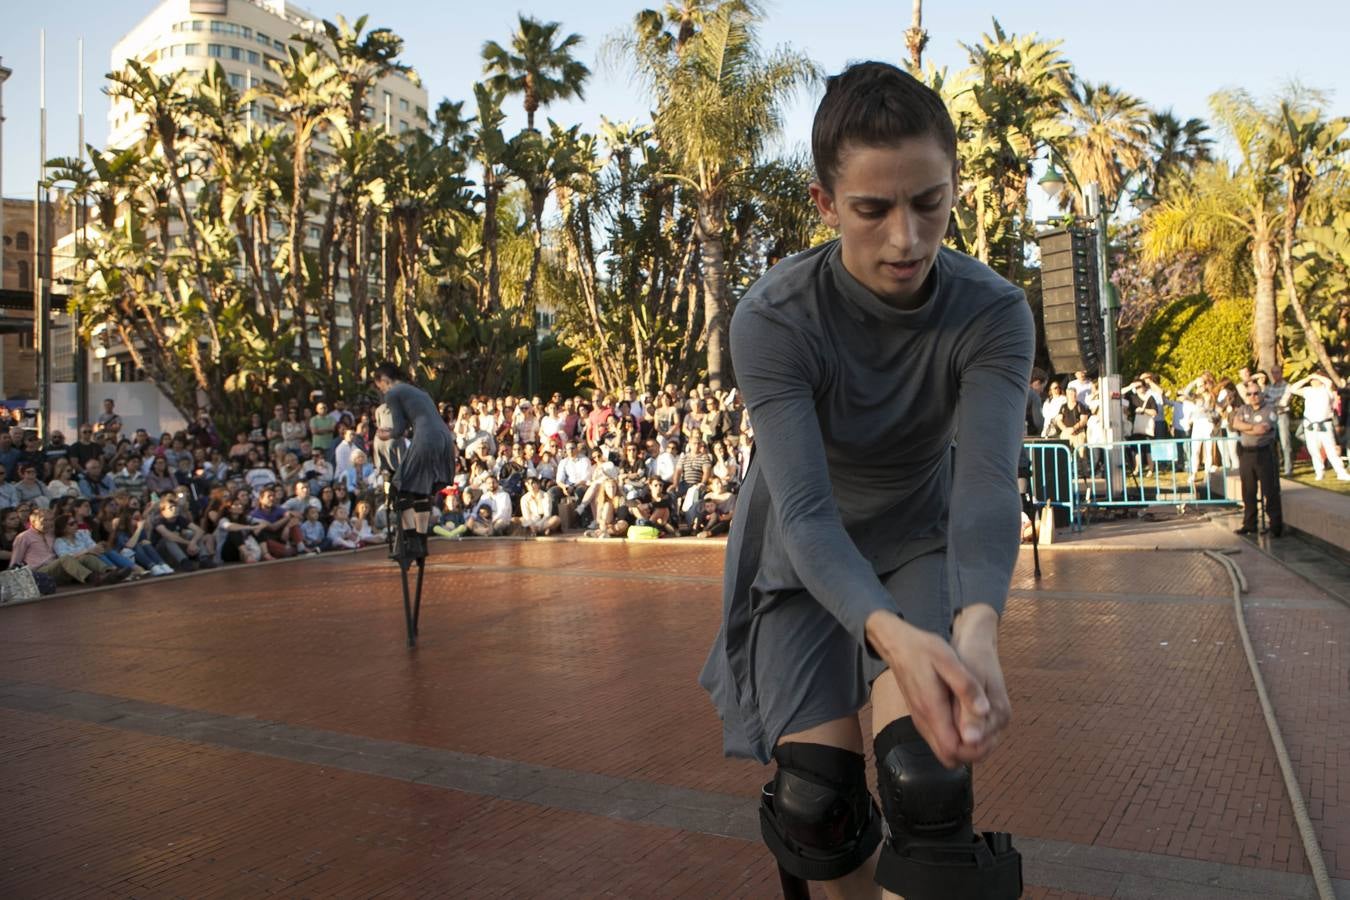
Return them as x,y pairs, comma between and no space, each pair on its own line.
867,559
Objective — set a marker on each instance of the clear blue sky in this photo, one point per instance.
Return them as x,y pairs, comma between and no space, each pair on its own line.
1169,52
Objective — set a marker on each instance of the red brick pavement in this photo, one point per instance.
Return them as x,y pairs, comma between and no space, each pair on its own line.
1136,726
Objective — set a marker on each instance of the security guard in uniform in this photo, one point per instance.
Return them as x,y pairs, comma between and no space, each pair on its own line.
1256,423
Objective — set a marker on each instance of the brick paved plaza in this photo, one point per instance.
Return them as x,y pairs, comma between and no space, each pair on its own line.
264,730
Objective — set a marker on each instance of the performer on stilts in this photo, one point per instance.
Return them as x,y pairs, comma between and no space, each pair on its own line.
414,471
878,525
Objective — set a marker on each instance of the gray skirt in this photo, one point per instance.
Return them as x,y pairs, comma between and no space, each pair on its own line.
807,670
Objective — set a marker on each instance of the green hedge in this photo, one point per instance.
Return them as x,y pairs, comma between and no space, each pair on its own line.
1190,336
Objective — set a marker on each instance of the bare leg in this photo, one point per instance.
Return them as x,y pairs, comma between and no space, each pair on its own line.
846,734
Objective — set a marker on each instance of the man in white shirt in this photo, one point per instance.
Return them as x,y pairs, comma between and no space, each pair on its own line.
498,502
1277,392
1081,385
574,473
536,510
301,500
342,455
667,463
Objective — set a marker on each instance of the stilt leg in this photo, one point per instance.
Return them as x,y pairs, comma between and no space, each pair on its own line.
794,888
407,605
417,601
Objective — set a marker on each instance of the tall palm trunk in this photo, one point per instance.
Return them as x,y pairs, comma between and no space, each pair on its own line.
491,193
300,168
915,37
710,227
1265,335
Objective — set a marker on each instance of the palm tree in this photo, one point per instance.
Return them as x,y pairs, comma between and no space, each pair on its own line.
1308,152
1231,209
489,150
1108,141
312,96
719,102
916,38
535,66
166,104
1007,107
1175,149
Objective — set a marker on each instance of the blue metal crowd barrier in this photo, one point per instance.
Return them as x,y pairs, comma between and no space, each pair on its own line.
1137,473
1157,471
1052,475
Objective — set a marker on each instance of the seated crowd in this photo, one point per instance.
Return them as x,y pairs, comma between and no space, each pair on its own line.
111,506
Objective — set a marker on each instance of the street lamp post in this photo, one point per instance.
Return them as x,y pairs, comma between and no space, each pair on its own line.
4,76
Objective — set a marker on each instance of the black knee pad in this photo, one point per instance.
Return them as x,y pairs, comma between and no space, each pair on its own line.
817,816
934,852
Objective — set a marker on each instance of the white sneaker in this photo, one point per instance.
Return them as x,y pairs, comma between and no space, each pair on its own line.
1343,476
1320,476
162,569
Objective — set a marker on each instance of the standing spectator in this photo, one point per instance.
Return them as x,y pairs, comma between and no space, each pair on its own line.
1255,423
109,420
1050,408
275,437
1080,385
525,423
1319,423
1035,419
322,429
549,426
599,417
342,454
203,432
293,431
1277,392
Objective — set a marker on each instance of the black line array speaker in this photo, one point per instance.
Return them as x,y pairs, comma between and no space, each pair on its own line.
1070,303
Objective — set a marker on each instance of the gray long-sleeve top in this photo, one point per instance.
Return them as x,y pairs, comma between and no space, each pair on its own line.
855,406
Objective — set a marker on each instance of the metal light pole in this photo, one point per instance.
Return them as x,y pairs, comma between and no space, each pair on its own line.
1095,208
81,352
42,253
4,76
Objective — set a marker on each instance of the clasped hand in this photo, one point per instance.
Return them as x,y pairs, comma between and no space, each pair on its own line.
955,692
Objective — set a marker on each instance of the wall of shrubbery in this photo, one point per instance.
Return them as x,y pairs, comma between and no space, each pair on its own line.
1188,336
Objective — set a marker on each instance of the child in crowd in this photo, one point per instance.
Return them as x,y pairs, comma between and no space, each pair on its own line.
341,534
312,530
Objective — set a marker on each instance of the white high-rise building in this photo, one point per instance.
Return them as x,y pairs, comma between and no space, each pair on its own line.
241,35
244,37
